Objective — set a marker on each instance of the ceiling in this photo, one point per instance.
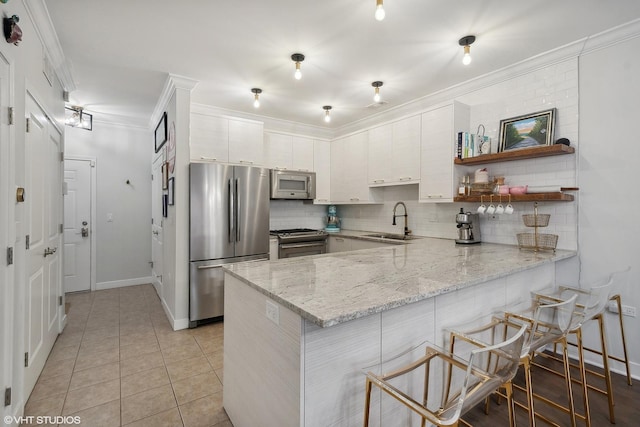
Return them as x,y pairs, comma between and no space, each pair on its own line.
121,51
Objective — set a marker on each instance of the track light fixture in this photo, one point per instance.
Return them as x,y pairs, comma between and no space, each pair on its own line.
256,94
376,85
297,58
327,117
466,42
379,10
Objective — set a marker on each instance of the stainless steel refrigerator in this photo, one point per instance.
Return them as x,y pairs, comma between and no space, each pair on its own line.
229,222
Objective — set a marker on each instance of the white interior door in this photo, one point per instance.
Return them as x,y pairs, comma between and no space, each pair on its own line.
43,204
156,225
77,225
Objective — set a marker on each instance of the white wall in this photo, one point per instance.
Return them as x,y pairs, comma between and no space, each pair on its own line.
123,248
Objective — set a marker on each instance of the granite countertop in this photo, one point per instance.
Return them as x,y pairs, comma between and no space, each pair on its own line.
330,289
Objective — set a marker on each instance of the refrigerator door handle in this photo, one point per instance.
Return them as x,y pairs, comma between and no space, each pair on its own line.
231,218
237,212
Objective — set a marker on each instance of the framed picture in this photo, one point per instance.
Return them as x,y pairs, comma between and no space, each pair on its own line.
529,130
165,175
161,132
171,190
165,207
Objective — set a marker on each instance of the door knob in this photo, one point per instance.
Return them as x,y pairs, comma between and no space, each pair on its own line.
155,232
49,251
84,231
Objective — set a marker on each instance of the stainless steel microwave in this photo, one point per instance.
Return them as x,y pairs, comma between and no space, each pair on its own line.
293,185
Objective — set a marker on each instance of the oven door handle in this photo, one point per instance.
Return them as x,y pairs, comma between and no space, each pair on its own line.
301,245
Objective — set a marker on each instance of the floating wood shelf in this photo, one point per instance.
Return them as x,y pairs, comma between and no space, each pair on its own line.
532,197
522,153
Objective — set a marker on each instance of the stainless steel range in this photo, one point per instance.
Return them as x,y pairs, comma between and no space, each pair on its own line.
297,242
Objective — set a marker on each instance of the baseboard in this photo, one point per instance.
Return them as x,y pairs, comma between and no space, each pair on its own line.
122,283
176,324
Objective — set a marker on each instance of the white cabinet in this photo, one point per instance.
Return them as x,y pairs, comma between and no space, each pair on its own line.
225,140
273,248
349,157
357,244
322,168
394,153
209,138
343,244
287,152
440,126
246,142
339,244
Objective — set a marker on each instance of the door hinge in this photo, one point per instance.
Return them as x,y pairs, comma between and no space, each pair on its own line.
61,156
9,256
28,125
27,241
151,221
7,396
61,228
151,177
60,300
26,359
12,115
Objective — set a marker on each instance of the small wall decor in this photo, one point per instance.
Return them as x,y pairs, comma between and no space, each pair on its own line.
529,130
165,206
12,32
161,132
171,191
165,175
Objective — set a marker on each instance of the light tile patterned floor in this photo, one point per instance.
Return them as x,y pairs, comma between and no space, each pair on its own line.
119,363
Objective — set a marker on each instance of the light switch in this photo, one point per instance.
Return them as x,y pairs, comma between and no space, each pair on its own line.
109,217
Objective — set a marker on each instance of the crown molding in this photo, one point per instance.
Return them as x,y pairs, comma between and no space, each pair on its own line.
172,83
39,15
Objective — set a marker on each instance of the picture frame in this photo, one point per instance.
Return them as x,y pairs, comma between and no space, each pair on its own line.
165,175
160,135
171,191
165,205
528,130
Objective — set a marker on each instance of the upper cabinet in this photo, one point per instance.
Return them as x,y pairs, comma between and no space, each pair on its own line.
439,129
246,142
322,167
225,140
394,153
349,158
209,138
287,152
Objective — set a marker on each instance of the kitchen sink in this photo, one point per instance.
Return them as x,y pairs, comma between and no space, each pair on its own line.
390,236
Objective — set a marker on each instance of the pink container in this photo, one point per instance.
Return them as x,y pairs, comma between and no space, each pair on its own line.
519,189
503,189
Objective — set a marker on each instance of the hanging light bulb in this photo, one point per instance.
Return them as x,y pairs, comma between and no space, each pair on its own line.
297,58
466,42
376,95
327,117
379,10
256,94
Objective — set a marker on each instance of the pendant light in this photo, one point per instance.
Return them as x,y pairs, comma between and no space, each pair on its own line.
466,42
379,10
297,58
256,94
376,95
327,117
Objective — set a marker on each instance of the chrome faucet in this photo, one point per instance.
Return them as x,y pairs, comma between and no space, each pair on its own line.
406,228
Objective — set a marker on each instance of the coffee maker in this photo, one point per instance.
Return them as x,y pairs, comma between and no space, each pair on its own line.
468,227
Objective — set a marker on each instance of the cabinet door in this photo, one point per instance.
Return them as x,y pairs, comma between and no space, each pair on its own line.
439,130
349,169
405,150
277,151
357,244
322,168
246,142
302,154
339,244
380,153
209,138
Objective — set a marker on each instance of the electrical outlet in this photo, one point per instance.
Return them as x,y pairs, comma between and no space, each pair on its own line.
628,311
273,312
493,217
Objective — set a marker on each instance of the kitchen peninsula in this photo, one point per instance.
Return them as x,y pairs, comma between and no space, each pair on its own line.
298,331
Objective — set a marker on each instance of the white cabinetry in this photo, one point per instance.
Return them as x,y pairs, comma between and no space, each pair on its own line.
394,153
343,244
349,170
339,244
273,248
440,127
225,140
209,138
246,142
287,152
322,167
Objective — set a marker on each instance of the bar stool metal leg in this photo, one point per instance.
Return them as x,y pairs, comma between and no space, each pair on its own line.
607,372
625,358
